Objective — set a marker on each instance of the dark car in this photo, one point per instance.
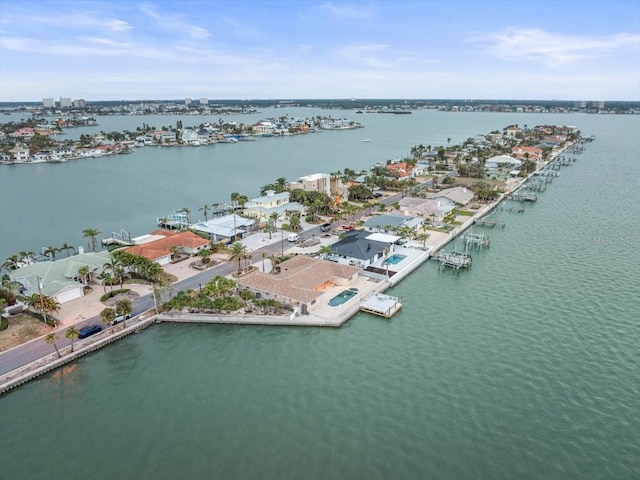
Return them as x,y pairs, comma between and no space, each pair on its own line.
89,330
325,227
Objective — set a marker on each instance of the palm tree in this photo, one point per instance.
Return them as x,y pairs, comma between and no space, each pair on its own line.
264,255
12,262
108,315
273,218
50,252
204,210
51,338
115,265
187,212
83,271
294,222
242,201
238,253
67,247
234,204
325,251
24,255
92,234
124,308
72,333
281,184
104,277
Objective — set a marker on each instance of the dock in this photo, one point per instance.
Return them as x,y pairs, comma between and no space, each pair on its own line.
453,260
476,239
381,304
118,238
522,197
488,222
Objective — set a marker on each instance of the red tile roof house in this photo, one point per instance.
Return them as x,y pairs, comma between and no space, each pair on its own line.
159,250
301,280
520,152
401,168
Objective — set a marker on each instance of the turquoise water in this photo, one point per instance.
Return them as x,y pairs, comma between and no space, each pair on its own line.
342,297
396,258
526,366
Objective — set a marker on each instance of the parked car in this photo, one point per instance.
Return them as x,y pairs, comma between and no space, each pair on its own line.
347,227
89,330
325,227
377,195
120,319
293,237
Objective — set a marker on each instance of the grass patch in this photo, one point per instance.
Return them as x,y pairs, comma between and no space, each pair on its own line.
4,323
464,213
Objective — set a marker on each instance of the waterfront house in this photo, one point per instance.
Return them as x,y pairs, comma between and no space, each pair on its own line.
433,208
262,128
158,245
455,196
263,207
513,131
522,152
20,154
299,281
317,182
360,248
502,161
226,228
60,279
399,168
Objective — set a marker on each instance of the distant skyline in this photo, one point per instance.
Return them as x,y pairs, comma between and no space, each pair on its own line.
130,50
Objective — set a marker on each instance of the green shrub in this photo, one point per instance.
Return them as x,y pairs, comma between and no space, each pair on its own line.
112,294
4,323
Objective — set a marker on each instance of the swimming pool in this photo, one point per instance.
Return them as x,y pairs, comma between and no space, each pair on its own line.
396,258
343,297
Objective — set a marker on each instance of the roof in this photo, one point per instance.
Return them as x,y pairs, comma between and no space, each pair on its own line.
503,159
358,246
459,195
301,278
420,206
267,199
224,226
381,221
161,248
55,276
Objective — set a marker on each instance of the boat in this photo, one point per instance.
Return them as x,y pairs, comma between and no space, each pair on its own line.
366,139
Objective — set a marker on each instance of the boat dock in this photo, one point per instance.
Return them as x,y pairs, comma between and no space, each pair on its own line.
453,260
522,197
381,304
488,222
476,239
118,238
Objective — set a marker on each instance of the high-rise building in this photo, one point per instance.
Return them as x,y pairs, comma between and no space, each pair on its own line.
581,104
80,103
599,104
48,102
204,101
65,102
187,101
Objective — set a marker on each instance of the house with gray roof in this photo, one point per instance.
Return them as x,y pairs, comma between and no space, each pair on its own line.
224,229
359,249
391,223
60,278
456,196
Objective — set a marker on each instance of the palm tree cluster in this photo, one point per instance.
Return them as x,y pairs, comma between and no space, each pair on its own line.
140,266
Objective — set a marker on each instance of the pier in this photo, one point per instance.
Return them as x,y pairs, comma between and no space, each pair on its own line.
118,238
381,304
488,222
519,197
453,260
476,239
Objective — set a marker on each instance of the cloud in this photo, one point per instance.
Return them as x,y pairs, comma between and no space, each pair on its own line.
175,23
346,11
528,44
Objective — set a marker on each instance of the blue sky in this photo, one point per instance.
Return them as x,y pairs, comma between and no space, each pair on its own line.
126,50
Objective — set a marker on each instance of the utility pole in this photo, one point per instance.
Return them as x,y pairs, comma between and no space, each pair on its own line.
44,313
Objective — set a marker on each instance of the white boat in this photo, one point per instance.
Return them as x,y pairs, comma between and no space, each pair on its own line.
366,139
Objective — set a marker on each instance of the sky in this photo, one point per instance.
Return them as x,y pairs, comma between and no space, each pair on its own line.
248,49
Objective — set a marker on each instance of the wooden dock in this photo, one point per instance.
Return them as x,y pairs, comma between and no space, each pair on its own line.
476,239
488,222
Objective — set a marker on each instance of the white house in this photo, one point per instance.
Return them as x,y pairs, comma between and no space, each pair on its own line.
502,161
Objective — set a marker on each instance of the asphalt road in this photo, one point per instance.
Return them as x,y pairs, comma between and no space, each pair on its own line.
38,348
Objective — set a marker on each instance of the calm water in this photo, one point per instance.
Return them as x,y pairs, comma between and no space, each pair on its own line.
526,367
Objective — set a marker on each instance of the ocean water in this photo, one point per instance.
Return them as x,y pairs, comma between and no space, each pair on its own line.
527,366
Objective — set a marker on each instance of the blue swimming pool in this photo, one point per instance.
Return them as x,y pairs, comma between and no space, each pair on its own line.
396,258
343,297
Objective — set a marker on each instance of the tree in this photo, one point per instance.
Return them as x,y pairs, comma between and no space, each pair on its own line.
325,251
72,333
204,210
238,253
104,277
187,214
273,218
281,184
67,247
124,308
51,338
83,271
92,234
24,255
12,262
108,315
294,221
50,252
